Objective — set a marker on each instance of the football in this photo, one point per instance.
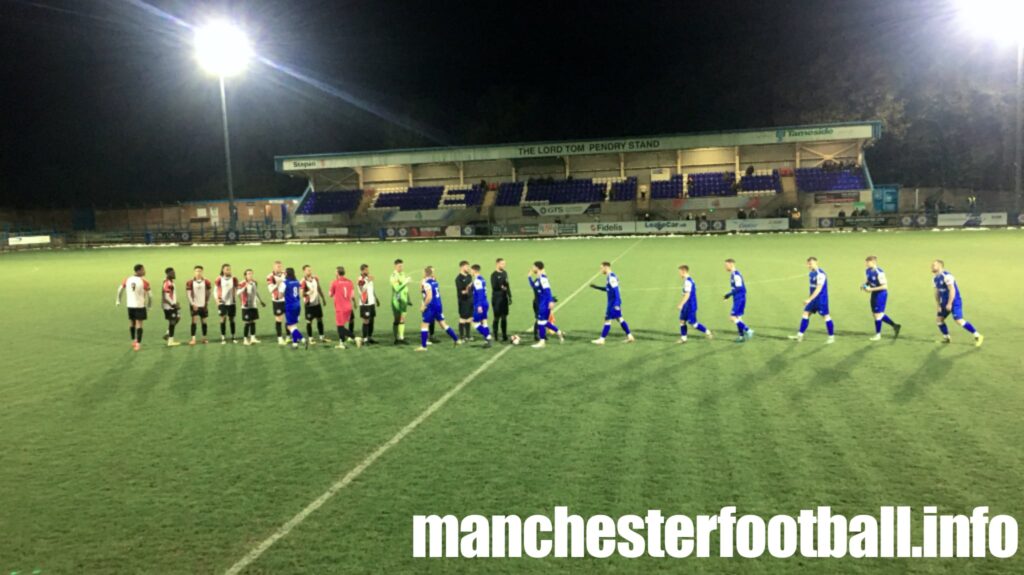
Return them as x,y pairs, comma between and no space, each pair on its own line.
514,339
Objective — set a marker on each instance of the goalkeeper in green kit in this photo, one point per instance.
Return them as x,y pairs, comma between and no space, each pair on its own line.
399,301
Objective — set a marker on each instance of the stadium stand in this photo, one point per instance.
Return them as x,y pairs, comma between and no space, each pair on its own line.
510,194
667,189
822,180
771,183
415,198
338,202
623,190
462,196
709,184
564,191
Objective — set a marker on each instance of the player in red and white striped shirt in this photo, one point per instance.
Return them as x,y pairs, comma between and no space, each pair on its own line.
198,289
249,294
169,303
226,288
313,298
137,299
275,284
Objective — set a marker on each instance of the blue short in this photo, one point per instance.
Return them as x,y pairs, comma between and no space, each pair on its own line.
612,313
688,314
544,311
957,313
738,307
432,314
819,306
291,315
479,314
878,300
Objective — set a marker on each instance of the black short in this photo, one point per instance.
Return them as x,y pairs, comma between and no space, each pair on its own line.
227,309
499,303
136,313
465,309
314,312
202,312
367,311
278,307
171,314
250,314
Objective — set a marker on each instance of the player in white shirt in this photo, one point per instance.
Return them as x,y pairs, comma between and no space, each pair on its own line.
367,303
227,293
275,284
249,294
198,289
170,305
137,299
313,298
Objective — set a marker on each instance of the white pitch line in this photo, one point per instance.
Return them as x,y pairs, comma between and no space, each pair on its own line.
358,470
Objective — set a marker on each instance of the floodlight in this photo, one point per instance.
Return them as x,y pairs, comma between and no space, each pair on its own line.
222,48
1000,20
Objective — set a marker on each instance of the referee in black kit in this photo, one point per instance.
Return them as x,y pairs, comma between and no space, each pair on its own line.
464,290
501,298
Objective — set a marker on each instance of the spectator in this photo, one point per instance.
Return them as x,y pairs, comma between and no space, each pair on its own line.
741,214
753,213
750,170
841,214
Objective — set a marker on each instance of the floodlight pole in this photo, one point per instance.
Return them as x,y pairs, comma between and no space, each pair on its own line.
227,154
1020,137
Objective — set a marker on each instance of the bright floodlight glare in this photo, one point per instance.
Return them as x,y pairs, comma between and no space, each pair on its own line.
1001,20
222,49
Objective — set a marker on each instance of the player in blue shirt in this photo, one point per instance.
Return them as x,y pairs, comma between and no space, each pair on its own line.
817,302
688,306
876,285
431,308
614,308
950,302
293,306
545,304
480,305
738,293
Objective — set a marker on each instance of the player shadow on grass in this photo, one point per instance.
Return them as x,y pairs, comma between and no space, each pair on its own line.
938,363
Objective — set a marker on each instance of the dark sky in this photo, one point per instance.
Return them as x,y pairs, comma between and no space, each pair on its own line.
102,102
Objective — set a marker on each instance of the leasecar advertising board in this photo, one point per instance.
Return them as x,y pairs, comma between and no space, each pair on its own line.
667,227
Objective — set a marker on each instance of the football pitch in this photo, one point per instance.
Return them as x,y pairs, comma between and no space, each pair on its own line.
185,460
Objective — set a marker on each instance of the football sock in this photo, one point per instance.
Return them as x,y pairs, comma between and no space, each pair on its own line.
365,331
369,329
552,327
277,326
682,330
967,326
204,330
170,329
944,329
888,320
232,322
309,329
604,331
138,335
320,327
484,331
878,326
830,327
741,327
542,332
803,324
424,335
451,334
430,329
401,331
625,327
132,329
193,330
223,328
296,335
700,327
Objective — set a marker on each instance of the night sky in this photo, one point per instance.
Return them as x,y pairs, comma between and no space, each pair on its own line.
103,103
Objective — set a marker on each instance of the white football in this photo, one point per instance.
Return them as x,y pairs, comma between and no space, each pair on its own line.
514,339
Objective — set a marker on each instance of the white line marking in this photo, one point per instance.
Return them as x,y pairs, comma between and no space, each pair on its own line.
358,470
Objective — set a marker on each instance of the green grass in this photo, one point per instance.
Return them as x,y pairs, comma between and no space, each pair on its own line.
180,461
